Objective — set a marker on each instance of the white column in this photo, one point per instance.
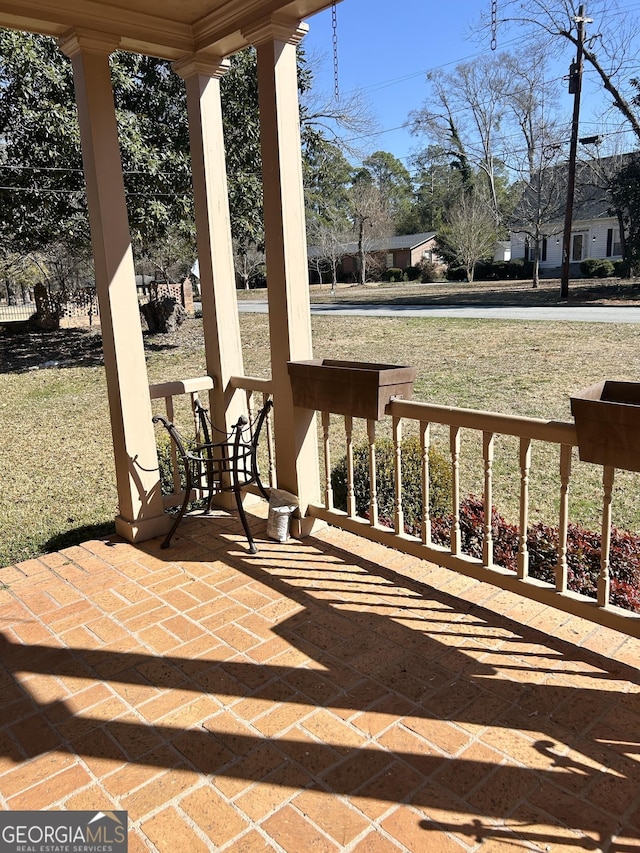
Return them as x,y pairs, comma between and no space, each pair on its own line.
286,248
141,513
215,252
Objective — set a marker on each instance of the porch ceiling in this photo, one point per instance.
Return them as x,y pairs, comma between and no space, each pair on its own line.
165,28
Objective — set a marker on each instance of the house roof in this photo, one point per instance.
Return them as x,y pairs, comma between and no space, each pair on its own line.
591,197
383,244
404,241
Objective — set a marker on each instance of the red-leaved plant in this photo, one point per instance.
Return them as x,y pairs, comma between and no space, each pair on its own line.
583,552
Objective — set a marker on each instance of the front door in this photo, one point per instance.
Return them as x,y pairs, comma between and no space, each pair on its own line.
578,245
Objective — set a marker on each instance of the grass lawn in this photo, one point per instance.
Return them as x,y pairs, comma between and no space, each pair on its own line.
58,483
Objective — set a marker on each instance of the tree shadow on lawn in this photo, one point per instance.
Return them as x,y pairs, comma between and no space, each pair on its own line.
23,350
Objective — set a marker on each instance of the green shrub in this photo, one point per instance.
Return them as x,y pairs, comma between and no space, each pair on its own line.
596,268
583,552
165,465
500,270
456,274
439,481
588,267
413,273
392,274
484,271
430,272
519,268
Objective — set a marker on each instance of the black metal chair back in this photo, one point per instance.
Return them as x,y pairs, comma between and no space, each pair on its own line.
227,465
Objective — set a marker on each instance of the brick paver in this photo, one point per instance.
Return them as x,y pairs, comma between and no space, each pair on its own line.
329,695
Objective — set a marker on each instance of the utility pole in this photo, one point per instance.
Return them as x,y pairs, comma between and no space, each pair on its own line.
575,88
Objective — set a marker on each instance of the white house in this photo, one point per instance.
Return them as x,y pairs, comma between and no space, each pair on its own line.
595,231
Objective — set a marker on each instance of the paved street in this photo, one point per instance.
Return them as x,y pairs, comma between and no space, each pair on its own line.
595,314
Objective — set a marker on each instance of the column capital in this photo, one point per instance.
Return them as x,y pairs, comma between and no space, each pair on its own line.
192,64
78,41
275,28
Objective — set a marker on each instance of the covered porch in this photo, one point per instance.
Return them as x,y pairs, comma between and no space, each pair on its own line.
330,692
196,36
327,694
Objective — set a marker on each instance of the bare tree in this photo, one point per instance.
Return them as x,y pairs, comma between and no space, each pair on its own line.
542,203
464,114
328,240
469,235
534,153
344,121
443,125
611,47
247,260
371,220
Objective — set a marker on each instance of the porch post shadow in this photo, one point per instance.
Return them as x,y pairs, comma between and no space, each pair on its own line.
141,513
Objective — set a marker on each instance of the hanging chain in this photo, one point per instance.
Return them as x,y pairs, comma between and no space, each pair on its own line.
334,25
494,24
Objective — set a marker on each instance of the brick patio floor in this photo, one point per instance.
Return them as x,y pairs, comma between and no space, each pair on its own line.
322,695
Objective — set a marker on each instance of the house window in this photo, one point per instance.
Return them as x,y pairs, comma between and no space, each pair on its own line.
544,249
578,243
389,260
617,242
614,244
526,249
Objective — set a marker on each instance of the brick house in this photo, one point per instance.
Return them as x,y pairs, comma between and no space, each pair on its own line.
405,250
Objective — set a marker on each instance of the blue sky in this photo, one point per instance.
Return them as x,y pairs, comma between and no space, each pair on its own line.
387,56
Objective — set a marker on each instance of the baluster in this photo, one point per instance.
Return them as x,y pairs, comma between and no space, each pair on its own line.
196,420
351,495
397,443
523,549
487,455
271,451
328,489
250,405
565,472
454,443
373,479
604,581
426,509
175,468
168,405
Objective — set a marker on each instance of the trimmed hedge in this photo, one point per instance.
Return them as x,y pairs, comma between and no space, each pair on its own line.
411,460
583,552
596,268
392,274
494,271
456,274
412,273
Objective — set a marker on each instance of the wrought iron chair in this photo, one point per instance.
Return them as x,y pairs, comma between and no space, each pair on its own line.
212,467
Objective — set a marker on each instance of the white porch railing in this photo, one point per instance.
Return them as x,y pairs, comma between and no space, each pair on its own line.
489,424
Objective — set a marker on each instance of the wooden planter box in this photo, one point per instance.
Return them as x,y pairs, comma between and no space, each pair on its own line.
607,417
354,388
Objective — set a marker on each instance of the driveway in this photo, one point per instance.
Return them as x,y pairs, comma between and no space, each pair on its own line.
595,314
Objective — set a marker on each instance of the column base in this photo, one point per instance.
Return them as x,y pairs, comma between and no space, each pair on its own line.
307,526
139,531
